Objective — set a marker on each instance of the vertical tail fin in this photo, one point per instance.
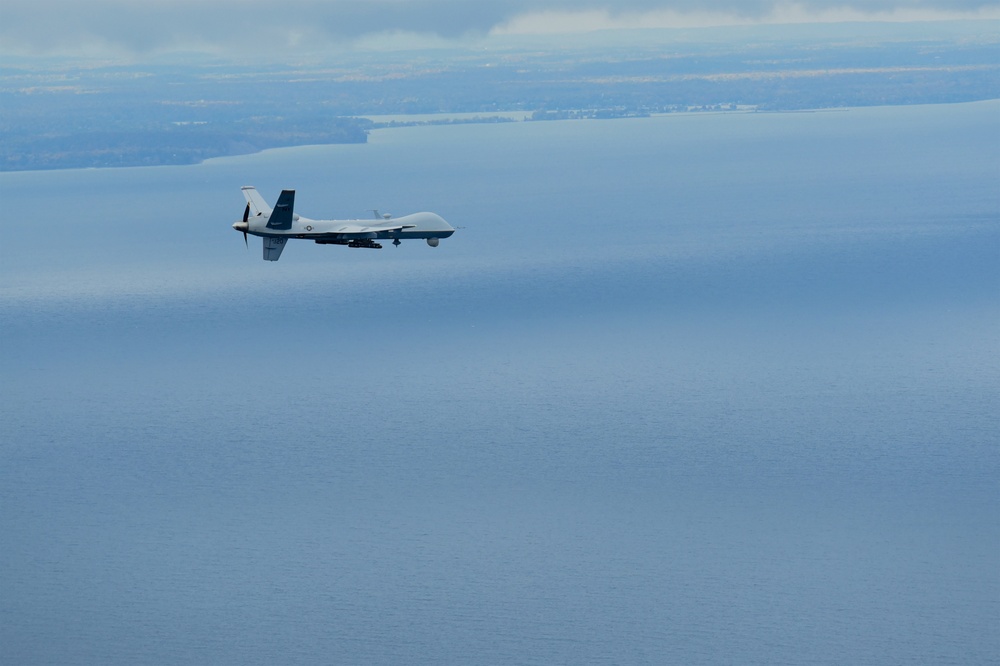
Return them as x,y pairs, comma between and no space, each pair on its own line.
281,216
255,201
273,247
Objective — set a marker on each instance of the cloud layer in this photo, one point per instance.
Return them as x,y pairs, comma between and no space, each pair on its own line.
147,26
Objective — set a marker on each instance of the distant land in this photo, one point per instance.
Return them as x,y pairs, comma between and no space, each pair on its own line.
184,109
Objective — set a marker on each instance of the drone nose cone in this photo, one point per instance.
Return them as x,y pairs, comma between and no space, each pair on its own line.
241,226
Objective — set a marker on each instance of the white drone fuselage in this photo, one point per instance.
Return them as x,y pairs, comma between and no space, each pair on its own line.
279,224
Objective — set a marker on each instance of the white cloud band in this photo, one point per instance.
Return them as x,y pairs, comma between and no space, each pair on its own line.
563,22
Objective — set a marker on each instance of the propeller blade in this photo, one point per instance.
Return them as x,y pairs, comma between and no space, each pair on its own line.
246,213
245,241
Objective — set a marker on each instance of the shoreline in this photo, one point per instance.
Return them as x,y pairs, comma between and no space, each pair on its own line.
392,122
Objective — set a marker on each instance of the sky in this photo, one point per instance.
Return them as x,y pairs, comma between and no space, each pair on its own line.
141,27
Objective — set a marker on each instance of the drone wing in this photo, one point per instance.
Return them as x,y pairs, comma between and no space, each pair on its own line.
363,231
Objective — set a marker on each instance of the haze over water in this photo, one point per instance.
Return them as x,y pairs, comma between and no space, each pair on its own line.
685,389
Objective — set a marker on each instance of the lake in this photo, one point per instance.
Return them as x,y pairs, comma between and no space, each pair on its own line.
706,388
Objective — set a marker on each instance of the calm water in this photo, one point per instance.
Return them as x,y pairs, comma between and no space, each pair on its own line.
693,389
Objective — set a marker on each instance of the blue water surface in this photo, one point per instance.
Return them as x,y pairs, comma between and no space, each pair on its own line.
686,389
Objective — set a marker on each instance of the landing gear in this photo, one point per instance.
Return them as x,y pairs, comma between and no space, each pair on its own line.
395,241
